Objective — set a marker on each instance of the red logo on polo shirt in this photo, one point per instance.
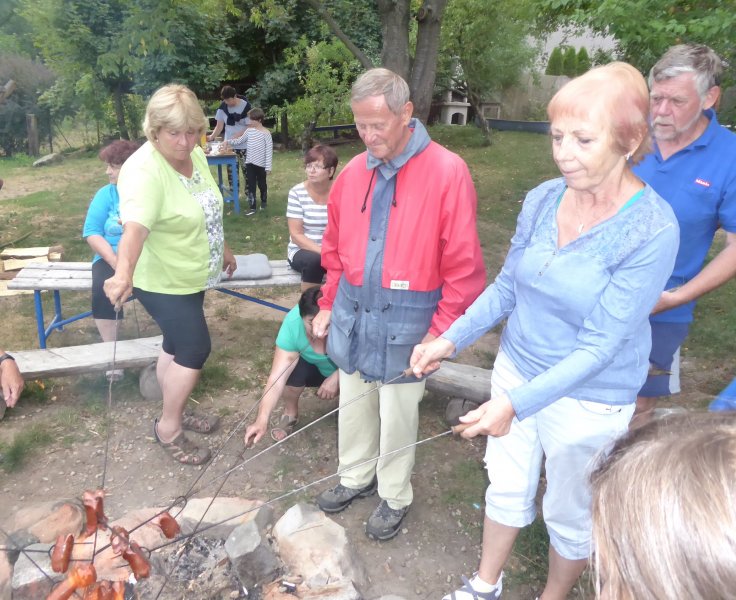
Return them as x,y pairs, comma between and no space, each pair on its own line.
702,182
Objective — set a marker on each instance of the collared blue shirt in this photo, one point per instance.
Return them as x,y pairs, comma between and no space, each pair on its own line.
699,182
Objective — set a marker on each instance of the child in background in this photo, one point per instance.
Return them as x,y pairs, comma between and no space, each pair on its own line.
258,158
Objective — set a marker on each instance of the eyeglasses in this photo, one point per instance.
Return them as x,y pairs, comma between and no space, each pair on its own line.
314,167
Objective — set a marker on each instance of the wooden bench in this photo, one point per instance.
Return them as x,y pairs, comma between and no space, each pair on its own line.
76,360
77,276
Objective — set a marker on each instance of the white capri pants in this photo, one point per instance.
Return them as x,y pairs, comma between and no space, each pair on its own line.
569,434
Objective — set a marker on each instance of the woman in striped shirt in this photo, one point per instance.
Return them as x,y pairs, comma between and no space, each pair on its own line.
306,214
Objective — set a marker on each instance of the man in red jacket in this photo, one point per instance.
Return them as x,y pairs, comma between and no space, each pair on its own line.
403,261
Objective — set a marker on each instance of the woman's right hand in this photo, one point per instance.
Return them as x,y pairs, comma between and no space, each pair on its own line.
118,289
425,358
254,432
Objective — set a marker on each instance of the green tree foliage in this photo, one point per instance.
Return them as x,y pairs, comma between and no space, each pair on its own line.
109,48
410,34
325,70
644,29
31,78
486,48
569,62
554,64
583,61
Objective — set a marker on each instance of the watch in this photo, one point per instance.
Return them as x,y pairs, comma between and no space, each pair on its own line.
6,356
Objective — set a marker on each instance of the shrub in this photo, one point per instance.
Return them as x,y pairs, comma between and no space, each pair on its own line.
554,65
31,79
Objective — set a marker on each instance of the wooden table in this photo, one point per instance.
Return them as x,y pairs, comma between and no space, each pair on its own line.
228,160
77,276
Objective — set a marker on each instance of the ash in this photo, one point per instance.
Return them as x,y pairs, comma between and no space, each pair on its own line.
201,571
197,558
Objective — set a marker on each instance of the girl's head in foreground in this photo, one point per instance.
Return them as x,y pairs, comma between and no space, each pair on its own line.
664,511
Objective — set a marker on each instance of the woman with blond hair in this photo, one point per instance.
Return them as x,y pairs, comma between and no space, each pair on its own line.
590,257
670,530
171,250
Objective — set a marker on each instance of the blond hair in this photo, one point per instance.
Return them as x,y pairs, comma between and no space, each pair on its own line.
615,94
176,107
664,511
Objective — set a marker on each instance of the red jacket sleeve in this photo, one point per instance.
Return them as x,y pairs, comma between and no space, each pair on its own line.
330,257
461,266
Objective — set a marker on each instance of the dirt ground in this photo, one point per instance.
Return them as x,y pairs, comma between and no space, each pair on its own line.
440,537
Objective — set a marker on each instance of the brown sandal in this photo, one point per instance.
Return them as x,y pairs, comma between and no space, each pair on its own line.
198,422
183,449
284,429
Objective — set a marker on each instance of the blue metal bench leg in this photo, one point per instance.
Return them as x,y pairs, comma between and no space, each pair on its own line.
236,185
39,319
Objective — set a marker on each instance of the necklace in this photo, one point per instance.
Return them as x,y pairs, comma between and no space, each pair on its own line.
597,216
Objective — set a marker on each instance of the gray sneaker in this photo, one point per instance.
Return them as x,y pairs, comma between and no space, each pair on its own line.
339,498
385,521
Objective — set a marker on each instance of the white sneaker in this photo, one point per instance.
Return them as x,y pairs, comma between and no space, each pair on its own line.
468,592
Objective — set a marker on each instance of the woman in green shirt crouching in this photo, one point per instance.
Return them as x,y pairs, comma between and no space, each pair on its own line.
300,360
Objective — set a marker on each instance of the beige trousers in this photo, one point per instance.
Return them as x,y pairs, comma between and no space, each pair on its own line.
385,419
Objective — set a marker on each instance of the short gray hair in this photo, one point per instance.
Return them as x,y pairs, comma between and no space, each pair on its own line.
381,82
689,58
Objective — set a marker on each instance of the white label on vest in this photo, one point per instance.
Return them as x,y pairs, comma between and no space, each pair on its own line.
399,285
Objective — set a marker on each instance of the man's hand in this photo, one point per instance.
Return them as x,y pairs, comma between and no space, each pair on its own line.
330,387
321,323
667,301
491,418
426,357
11,382
254,433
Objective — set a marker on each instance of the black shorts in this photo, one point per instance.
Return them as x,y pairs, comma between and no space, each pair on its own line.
101,307
309,264
182,322
305,374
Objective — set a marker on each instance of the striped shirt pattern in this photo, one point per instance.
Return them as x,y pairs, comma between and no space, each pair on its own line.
259,147
301,206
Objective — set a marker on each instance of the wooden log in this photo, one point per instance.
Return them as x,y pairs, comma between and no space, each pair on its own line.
463,381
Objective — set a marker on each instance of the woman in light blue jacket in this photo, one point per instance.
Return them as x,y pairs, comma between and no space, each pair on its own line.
591,254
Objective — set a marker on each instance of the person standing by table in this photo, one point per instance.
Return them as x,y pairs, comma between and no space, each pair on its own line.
693,167
403,261
232,116
171,250
588,261
258,159
102,231
306,214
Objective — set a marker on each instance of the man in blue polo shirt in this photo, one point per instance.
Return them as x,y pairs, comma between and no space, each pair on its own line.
693,167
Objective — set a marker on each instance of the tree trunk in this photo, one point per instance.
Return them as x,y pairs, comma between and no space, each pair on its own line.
475,102
395,31
285,129
424,70
120,113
